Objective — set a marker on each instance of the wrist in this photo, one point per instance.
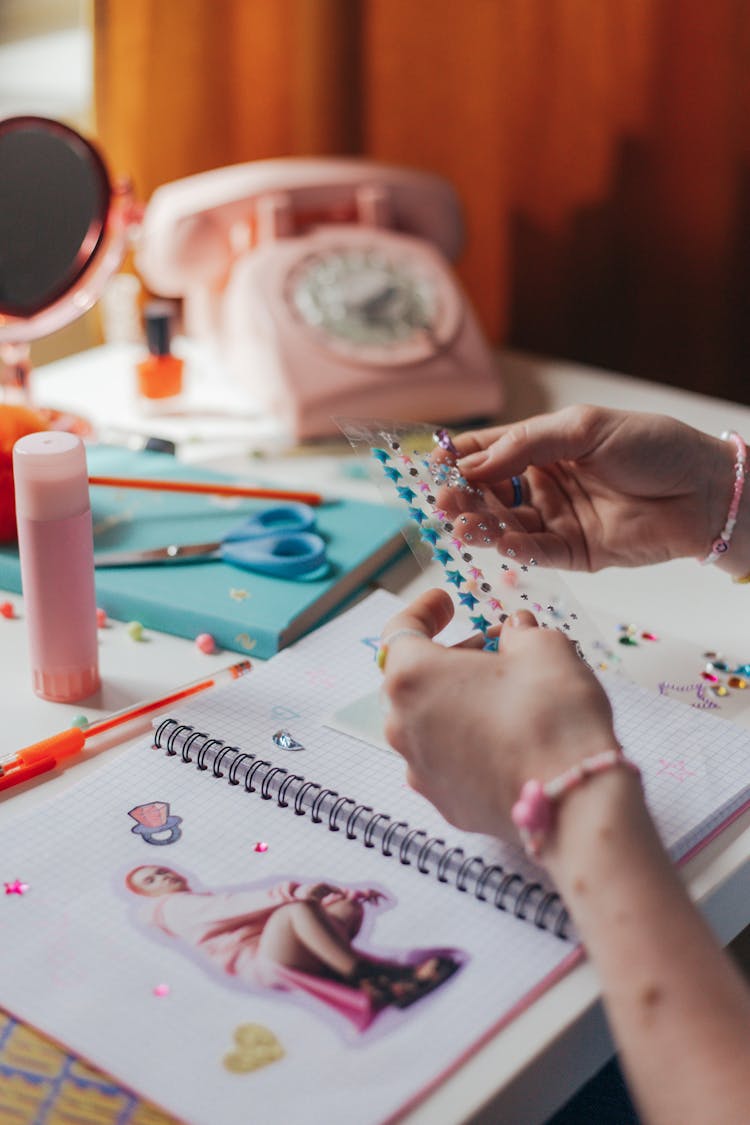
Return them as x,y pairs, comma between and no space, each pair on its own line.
540,805
597,825
727,543
736,561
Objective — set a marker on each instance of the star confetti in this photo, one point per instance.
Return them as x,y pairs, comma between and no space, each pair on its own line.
16,887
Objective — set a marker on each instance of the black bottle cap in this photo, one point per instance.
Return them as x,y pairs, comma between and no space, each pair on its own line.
158,317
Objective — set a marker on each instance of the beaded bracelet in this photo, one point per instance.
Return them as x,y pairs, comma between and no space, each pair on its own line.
720,545
534,812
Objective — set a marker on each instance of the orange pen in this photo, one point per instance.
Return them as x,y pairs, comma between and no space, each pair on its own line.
50,752
25,773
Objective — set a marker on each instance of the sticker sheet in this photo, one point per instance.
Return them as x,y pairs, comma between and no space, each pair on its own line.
491,563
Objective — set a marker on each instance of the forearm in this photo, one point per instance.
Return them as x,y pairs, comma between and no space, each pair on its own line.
679,1011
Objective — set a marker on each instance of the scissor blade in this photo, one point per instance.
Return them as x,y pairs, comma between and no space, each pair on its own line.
173,553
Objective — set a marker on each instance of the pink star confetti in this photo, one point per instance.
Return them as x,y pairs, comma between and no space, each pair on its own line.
16,887
261,846
161,990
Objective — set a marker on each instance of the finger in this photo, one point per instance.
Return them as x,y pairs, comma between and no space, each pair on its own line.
428,614
474,441
421,621
521,620
516,625
567,435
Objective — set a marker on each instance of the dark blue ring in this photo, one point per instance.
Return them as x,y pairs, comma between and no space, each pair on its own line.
517,492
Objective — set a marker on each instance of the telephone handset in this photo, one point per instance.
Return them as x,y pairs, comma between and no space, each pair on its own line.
326,284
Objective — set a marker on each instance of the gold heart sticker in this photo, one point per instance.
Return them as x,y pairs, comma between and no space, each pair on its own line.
255,1047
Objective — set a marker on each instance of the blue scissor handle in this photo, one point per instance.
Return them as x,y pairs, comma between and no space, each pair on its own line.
281,519
282,556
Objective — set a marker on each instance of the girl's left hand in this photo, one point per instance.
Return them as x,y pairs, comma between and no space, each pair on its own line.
473,726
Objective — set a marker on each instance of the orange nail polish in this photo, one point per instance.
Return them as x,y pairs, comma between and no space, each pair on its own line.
159,376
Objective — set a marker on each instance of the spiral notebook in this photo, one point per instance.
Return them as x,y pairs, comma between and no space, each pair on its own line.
163,891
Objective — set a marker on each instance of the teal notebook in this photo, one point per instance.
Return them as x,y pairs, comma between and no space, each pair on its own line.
243,611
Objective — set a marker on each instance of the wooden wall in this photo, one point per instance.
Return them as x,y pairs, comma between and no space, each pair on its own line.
600,146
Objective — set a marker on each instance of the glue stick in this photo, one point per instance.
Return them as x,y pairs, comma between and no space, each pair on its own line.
56,549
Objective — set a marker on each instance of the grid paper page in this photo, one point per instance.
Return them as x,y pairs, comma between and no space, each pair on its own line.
695,767
85,961
159,1008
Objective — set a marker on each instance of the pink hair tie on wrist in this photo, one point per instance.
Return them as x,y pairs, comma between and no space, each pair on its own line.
534,812
720,545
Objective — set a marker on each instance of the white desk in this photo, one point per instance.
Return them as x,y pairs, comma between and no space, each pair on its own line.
544,1055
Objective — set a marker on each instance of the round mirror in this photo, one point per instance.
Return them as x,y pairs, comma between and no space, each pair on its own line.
63,226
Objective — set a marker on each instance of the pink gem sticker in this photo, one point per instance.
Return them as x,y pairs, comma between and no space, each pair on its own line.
261,846
161,990
16,887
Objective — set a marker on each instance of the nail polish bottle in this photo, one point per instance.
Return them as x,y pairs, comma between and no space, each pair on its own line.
56,549
159,376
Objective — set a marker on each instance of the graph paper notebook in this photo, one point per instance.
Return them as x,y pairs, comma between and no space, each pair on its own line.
244,611
161,889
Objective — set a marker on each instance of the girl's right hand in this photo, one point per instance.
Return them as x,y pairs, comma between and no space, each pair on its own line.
606,487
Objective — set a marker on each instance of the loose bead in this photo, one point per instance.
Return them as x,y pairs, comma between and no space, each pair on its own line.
205,643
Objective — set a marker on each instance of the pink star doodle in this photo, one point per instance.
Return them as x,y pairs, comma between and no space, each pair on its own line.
16,887
676,769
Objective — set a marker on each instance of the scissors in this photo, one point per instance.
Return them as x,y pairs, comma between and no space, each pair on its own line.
277,541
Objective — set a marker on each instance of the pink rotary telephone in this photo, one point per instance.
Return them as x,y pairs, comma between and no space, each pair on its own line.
326,285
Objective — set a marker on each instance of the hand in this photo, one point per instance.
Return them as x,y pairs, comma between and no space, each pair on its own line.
473,726
604,487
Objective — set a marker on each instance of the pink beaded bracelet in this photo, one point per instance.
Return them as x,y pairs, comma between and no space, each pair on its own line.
534,812
720,545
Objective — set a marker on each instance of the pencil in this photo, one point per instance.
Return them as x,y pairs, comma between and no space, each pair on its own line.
211,488
20,766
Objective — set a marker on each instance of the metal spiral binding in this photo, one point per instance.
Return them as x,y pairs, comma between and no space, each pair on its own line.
506,890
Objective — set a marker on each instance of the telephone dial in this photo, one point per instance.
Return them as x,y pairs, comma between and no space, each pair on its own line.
326,285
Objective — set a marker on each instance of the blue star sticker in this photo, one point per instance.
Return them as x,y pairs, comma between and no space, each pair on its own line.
480,622
468,600
454,576
406,493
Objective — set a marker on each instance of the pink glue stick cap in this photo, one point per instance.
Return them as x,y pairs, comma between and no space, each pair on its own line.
56,549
